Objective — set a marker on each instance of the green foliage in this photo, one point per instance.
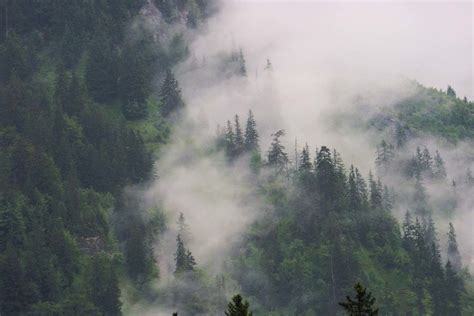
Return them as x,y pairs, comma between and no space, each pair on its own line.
363,303
238,307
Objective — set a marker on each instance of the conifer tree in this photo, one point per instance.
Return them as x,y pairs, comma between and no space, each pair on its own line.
362,305
453,290
229,141
439,171
241,64
184,259
362,188
170,95
375,193
355,202
387,199
426,162
277,157
305,161
450,92
453,252
385,153
421,200
251,134
238,307
238,138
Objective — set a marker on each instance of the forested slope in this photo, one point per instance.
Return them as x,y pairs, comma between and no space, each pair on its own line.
78,96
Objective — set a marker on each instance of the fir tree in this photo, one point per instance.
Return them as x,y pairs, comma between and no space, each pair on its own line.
426,162
453,290
362,188
238,307
242,71
385,153
450,92
229,141
421,200
184,259
439,171
362,305
305,161
251,134
170,95
277,157
355,202
376,202
453,252
239,138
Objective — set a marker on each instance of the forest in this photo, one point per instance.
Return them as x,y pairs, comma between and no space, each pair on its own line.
144,171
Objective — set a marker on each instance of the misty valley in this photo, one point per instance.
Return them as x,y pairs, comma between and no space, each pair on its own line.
211,157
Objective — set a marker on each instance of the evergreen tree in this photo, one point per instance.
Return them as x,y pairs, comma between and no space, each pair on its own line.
450,92
420,199
229,141
385,154
101,70
453,290
238,307
453,252
439,171
354,194
251,134
376,202
184,259
362,189
242,70
277,157
170,95
305,161
426,162
362,305
238,138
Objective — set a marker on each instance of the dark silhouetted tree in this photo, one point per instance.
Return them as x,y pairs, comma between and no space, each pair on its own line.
362,305
238,307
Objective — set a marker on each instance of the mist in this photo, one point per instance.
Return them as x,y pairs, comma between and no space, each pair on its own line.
324,57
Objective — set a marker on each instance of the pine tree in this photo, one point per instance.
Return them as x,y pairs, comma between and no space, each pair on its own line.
439,171
363,305
101,70
170,95
450,92
305,161
238,307
385,153
387,199
375,193
421,200
426,162
241,64
239,138
183,229
251,134
453,290
184,259
453,252
354,194
277,157
362,189
229,141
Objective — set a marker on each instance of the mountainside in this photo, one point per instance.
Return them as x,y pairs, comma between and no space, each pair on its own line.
119,195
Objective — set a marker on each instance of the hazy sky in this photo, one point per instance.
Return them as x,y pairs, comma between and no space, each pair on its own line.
431,42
